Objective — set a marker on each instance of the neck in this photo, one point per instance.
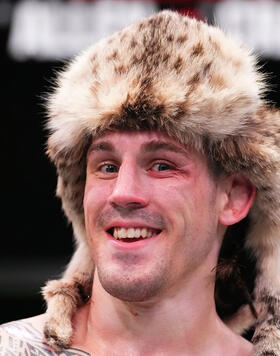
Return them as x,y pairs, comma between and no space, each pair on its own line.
182,322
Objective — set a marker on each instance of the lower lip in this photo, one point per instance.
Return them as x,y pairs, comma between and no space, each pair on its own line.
122,245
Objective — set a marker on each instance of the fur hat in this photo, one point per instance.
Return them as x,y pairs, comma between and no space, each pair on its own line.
181,76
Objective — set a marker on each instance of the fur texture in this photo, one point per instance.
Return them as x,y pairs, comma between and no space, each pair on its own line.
179,75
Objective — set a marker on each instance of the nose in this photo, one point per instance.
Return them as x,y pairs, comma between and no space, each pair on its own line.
129,190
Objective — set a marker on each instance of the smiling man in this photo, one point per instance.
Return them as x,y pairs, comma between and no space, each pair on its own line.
150,233
155,215
167,159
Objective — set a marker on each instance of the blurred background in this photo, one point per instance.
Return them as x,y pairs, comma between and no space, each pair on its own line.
36,38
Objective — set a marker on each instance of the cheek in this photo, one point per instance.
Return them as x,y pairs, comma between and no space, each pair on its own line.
95,199
176,202
189,204
96,193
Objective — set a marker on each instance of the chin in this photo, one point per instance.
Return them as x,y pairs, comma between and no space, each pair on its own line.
130,287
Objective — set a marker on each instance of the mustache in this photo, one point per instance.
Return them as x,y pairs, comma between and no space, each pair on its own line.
142,215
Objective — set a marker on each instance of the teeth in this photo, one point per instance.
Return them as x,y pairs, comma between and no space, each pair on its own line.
137,232
130,232
122,233
144,232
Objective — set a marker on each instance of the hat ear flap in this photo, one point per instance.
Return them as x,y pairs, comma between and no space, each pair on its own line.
260,307
262,239
64,296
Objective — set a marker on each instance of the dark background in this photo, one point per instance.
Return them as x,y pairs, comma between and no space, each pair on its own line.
36,241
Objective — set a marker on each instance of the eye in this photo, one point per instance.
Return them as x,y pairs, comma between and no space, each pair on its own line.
159,167
108,168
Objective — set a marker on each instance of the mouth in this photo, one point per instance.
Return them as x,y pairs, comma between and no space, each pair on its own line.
132,234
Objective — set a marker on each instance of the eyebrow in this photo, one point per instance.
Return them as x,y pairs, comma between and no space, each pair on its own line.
101,146
149,147
162,145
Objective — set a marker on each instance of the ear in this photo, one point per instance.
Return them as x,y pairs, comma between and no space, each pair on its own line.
238,194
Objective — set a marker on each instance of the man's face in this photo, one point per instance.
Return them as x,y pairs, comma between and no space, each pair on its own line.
160,202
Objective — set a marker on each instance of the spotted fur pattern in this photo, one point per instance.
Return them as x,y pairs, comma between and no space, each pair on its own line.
178,75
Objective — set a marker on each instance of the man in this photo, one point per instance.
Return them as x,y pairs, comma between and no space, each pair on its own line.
162,145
